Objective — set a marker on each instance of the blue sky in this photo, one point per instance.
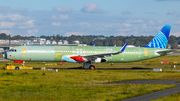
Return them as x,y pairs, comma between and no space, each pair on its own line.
88,17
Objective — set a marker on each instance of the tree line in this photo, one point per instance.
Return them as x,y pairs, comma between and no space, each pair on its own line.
100,40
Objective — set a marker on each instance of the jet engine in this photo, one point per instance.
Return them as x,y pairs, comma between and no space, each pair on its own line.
98,60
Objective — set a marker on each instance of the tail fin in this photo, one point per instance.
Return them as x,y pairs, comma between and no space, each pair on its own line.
161,39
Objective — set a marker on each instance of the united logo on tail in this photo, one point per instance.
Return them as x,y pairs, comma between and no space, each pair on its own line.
161,39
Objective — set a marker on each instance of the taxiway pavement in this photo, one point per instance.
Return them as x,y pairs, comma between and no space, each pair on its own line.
154,95
175,54
2,59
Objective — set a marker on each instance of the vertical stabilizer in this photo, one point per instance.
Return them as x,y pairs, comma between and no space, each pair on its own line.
161,39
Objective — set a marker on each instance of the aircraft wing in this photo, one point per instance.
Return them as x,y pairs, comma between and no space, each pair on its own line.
106,54
92,57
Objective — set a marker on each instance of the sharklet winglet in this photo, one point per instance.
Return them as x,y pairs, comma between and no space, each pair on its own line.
123,48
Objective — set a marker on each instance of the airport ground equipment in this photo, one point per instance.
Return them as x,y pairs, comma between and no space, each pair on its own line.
12,67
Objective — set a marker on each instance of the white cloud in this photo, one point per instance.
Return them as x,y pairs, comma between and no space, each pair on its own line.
122,34
171,12
124,30
126,24
6,31
21,10
4,9
72,33
145,27
159,27
91,8
126,13
6,24
64,17
151,22
30,22
56,24
27,24
177,22
12,17
176,33
84,24
159,22
111,25
29,31
36,30
53,16
32,31
63,9
135,21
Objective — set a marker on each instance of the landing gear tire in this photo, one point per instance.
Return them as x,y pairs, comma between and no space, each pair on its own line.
92,67
16,68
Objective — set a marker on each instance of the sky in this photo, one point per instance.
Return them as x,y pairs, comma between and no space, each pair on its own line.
88,17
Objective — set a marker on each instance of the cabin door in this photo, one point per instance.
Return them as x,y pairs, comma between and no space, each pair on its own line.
24,51
145,52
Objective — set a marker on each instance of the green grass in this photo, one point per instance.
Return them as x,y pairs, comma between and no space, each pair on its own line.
81,84
77,84
174,97
177,51
1,55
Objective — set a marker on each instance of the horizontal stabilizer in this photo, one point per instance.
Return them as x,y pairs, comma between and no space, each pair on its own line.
166,51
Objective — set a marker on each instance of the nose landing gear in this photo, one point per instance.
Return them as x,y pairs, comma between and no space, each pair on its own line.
5,55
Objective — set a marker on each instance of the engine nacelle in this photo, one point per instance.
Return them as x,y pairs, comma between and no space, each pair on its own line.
98,60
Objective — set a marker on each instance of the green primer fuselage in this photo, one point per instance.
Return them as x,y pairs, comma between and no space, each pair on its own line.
56,53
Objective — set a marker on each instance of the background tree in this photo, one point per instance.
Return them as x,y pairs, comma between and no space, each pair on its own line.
4,36
100,40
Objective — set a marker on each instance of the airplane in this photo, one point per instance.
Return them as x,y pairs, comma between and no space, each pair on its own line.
92,54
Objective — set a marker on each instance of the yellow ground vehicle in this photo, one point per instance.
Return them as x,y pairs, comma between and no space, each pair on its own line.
10,66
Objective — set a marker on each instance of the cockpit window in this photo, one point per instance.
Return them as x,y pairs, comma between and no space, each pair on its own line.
12,50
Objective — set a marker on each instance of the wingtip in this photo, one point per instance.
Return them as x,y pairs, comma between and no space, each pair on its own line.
123,48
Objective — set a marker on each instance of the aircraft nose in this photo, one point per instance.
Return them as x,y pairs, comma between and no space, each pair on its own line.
5,55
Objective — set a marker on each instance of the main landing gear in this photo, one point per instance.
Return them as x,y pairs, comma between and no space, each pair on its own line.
92,67
89,66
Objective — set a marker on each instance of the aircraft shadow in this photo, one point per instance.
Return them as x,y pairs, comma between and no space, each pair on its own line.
133,68
80,68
